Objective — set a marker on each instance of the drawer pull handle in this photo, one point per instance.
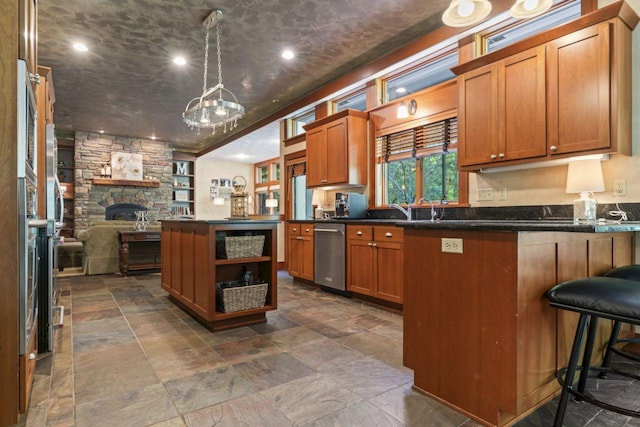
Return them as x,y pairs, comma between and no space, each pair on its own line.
369,244
374,245
359,233
32,356
306,230
299,238
295,229
493,157
388,234
553,148
501,155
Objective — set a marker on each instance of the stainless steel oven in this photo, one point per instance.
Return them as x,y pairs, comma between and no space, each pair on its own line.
29,227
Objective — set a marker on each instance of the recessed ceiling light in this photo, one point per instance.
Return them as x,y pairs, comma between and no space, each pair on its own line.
101,131
241,156
401,90
288,54
80,47
179,60
153,137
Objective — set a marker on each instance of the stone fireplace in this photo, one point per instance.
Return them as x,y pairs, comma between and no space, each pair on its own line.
123,211
91,201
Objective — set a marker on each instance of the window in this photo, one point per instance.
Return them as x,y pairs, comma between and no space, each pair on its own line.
419,163
501,36
354,101
267,187
300,120
426,75
298,196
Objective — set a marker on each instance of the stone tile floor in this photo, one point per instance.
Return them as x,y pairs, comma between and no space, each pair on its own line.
127,356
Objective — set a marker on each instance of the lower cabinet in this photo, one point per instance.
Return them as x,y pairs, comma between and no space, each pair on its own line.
479,321
374,261
300,250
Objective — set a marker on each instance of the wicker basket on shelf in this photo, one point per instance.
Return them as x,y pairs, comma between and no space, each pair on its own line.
234,247
230,297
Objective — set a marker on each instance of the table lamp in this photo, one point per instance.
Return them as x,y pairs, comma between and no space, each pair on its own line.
585,177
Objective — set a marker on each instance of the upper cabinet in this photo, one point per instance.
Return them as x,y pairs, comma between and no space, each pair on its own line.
562,93
502,110
337,149
28,31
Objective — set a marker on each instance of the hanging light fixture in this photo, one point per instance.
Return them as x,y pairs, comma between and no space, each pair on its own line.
524,9
211,110
462,13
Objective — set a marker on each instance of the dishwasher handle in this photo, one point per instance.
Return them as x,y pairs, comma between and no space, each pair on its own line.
328,230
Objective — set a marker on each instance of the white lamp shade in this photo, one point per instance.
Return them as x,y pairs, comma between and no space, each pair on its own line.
271,203
318,198
585,176
462,13
524,9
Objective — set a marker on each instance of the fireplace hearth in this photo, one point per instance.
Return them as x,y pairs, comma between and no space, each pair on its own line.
122,211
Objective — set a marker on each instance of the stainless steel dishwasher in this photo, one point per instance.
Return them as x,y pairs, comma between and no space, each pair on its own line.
329,259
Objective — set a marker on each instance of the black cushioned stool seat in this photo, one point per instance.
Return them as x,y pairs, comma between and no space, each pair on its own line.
593,298
628,272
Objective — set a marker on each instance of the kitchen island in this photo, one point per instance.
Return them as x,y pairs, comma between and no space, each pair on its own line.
194,262
478,331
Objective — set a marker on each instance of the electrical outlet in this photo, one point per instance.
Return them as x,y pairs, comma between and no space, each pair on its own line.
502,194
453,246
619,187
485,194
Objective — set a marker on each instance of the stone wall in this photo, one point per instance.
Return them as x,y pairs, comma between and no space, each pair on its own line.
92,150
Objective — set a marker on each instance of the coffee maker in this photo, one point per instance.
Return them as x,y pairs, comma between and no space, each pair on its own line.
350,205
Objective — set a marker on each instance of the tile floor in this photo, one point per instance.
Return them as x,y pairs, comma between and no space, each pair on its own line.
128,357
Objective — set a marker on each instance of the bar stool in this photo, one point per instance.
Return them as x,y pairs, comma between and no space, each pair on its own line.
628,272
593,298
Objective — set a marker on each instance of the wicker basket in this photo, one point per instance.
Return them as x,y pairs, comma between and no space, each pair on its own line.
230,299
233,247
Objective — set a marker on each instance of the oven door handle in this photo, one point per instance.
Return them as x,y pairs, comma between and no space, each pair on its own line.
328,230
60,223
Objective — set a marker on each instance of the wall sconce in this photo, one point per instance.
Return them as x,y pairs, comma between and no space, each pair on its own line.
405,110
462,13
585,177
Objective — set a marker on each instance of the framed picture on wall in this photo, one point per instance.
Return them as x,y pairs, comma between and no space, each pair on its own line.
126,166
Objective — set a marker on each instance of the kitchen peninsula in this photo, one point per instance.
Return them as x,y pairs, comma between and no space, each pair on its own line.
478,331
194,261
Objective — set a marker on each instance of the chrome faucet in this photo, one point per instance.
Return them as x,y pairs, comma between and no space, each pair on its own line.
433,210
406,212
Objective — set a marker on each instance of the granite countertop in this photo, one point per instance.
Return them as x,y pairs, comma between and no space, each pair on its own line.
523,225
496,225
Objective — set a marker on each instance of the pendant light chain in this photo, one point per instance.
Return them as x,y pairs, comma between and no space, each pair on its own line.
219,60
206,59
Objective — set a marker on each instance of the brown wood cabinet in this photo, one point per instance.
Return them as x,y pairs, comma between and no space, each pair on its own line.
506,114
300,250
497,106
478,331
579,90
191,268
337,149
375,261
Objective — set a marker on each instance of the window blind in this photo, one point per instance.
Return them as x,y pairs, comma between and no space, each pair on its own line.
418,142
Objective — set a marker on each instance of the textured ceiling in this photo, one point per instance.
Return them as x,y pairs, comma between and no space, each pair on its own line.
127,84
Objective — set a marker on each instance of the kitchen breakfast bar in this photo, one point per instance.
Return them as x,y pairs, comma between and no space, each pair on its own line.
478,332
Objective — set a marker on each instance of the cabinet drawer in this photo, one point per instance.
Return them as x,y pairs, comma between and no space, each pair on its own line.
306,229
293,229
359,232
388,234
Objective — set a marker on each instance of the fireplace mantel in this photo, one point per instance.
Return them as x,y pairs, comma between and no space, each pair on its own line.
124,182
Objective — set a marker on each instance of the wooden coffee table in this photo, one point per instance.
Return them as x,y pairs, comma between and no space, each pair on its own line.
142,244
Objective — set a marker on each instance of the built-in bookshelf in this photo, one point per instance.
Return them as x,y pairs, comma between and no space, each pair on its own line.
183,200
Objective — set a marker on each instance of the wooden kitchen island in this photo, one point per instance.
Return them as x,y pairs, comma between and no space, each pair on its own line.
478,331
191,268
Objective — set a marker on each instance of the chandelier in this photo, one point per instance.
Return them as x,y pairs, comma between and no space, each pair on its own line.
211,110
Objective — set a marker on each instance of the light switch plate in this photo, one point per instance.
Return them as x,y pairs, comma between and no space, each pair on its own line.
453,246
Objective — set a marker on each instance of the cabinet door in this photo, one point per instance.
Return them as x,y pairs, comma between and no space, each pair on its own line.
306,258
294,255
337,157
521,106
578,105
389,271
478,116
317,155
360,271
